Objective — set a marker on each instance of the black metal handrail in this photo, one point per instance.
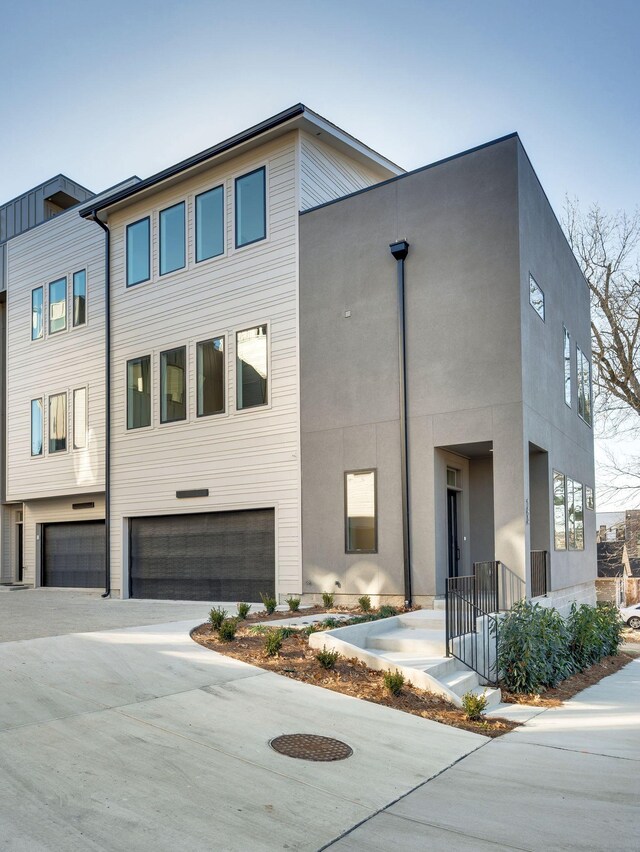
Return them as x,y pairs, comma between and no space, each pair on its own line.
486,590
539,573
472,631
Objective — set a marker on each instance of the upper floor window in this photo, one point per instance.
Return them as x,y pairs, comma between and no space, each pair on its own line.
139,392
536,297
79,418
251,367
210,369
36,427
361,533
588,498
138,252
210,224
57,422
567,366
57,305
559,511
251,211
584,386
172,241
37,307
575,515
79,297
173,385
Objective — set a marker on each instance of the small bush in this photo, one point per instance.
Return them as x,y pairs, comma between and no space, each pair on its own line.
329,623
243,610
286,632
227,630
259,629
327,600
273,643
474,705
394,681
269,604
596,632
216,617
365,603
327,659
294,604
387,611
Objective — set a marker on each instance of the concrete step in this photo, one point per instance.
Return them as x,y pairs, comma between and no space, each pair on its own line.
429,643
434,665
460,681
493,695
423,618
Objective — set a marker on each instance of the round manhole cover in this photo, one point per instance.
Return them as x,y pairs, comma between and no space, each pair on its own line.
311,747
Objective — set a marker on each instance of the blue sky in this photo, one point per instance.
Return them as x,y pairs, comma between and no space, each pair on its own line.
101,91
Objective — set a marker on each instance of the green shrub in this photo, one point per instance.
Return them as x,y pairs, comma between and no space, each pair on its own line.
259,629
474,705
365,603
273,643
243,610
329,623
394,681
387,611
286,632
216,617
327,600
227,630
327,659
596,632
269,604
294,604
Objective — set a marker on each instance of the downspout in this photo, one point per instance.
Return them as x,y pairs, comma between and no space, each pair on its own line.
107,404
399,250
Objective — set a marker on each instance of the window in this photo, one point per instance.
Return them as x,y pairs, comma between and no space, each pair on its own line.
57,423
36,427
210,369
138,252
139,392
79,419
251,214
361,531
79,297
209,224
567,366
173,396
536,297
37,306
57,305
588,498
251,367
575,515
452,477
559,512
584,386
172,253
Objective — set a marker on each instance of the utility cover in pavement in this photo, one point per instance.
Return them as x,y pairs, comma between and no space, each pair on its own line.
311,747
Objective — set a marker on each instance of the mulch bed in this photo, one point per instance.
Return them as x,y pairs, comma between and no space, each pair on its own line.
349,677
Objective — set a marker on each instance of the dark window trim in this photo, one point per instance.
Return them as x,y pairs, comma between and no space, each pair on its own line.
566,337
184,237
580,355
66,422
66,304
374,471
39,399
267,404
186,387
544,298
126,386
223,410
74,324
555,473
195,221
262,169
126,260
42,316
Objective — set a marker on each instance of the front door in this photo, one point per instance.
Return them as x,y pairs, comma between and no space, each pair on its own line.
452,524
20,551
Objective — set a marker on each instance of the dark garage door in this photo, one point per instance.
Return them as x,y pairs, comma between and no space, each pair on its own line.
217,556
73,554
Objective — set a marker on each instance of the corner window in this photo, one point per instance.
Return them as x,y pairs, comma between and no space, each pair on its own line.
138,252
79,298
36,427
361,532
588,498
584,386
173,385
57,305
559,511
575,515
536,297
251,211
37,307
251,367
567,366
209,224
210,369
172,251
79,419
57,423
139,392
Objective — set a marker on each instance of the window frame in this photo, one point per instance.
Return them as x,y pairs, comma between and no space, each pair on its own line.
75,324
543,315
557,473
128,361
347,473
566,344
265,217
74,445
66,423
174,420
50,284
130,225
39,455
581,359
222,187
223,411
589,498
263,405
182,204
42,313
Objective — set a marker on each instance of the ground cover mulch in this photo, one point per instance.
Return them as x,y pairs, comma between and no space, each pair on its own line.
350,677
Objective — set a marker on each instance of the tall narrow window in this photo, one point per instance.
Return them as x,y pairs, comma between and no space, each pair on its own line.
79,418
79,297
567,366
210,364
172,251
251,367
536,297
36,427
57,423
588,498
138,252
57,305
559,511
575,515
361,534
210,224
173,385
584,386
139,392
37,304
251,211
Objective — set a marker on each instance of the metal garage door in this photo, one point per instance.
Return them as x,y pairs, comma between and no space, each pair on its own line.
73,554
217,556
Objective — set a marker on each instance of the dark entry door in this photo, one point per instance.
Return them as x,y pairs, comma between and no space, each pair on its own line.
73,554
20,549
452,524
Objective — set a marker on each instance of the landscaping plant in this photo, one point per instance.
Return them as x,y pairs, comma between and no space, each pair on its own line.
269,604
365,603
596,632
294,604
216,617
394,681
387,611
474,705
327,600
273,643
243,610
327,659
227,630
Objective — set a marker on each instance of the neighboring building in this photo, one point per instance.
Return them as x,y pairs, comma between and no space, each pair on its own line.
618,544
